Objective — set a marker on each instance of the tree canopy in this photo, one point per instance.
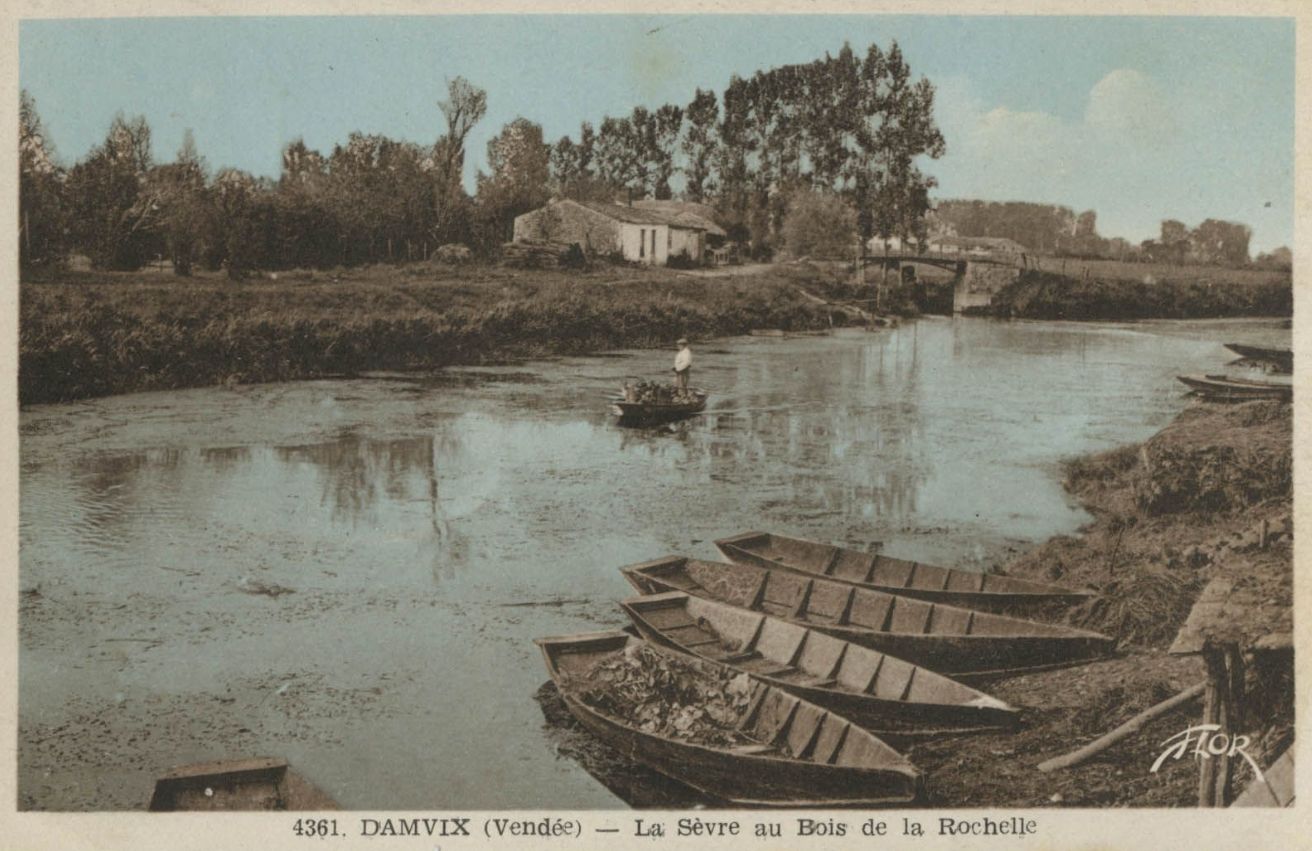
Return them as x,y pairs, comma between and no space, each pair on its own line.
845,140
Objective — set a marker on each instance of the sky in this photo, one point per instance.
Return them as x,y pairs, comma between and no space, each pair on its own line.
1139,118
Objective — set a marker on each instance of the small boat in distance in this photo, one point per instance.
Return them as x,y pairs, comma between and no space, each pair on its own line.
654,412
969,589
885,695
1224,388
792,752
960,643
1281,359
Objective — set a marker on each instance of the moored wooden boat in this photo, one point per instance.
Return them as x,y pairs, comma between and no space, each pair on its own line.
968,589
884,694
960,643
1227,388
651,413
1282,359
792,752
259,783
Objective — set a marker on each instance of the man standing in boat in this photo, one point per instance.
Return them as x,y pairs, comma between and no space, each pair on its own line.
682,367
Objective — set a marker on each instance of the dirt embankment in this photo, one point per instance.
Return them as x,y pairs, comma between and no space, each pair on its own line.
1186,505
1049,295
1174,511
84,335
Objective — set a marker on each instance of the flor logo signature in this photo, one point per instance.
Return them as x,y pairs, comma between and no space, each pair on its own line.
1206,741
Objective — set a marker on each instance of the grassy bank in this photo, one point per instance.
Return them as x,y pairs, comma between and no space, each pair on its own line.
1119,270
1170,514
1173,511
1208,294
84,334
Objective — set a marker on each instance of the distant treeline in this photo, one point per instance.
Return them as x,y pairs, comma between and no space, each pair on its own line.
1038,294
811,158
844,127
1058,230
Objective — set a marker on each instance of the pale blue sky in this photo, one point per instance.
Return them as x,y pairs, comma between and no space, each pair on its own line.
1137,118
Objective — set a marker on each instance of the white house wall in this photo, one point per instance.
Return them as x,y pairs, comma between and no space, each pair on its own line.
684,240
634,237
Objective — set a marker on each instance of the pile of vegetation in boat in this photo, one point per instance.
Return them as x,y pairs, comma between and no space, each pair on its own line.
635,783
667,696
655,393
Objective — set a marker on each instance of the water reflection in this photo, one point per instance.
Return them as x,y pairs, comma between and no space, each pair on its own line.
108,494
361,479
224,458
938,425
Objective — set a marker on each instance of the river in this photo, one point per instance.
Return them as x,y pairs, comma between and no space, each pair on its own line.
428,527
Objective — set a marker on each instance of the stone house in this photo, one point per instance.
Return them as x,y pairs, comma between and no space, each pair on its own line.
649,236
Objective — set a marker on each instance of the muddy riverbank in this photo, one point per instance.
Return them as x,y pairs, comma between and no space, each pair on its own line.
429,525
1171,513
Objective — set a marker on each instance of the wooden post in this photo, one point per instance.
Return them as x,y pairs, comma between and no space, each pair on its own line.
1232,717
1216,679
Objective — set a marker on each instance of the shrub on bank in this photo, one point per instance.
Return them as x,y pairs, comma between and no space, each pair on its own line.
1048,295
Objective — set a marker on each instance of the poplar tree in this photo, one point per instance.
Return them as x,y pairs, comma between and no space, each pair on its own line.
700,145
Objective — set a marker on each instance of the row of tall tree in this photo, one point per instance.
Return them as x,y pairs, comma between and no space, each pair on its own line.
809,157
370,199
853,127
845,126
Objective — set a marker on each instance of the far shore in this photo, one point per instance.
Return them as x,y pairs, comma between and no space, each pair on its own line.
88,334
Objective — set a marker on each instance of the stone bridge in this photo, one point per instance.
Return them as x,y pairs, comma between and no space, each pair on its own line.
975,279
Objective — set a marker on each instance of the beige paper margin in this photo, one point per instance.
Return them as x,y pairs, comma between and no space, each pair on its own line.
1093,829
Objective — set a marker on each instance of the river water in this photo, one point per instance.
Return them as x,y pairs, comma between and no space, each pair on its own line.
428,527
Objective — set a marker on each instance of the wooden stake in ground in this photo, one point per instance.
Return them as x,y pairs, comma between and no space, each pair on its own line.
1213,701
1124,731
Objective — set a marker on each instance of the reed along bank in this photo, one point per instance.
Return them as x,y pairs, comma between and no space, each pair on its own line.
87,334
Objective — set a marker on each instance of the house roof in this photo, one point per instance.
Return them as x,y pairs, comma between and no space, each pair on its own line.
637,215
689,212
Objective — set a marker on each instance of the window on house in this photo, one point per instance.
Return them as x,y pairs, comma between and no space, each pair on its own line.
669,239
653,242
642,242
